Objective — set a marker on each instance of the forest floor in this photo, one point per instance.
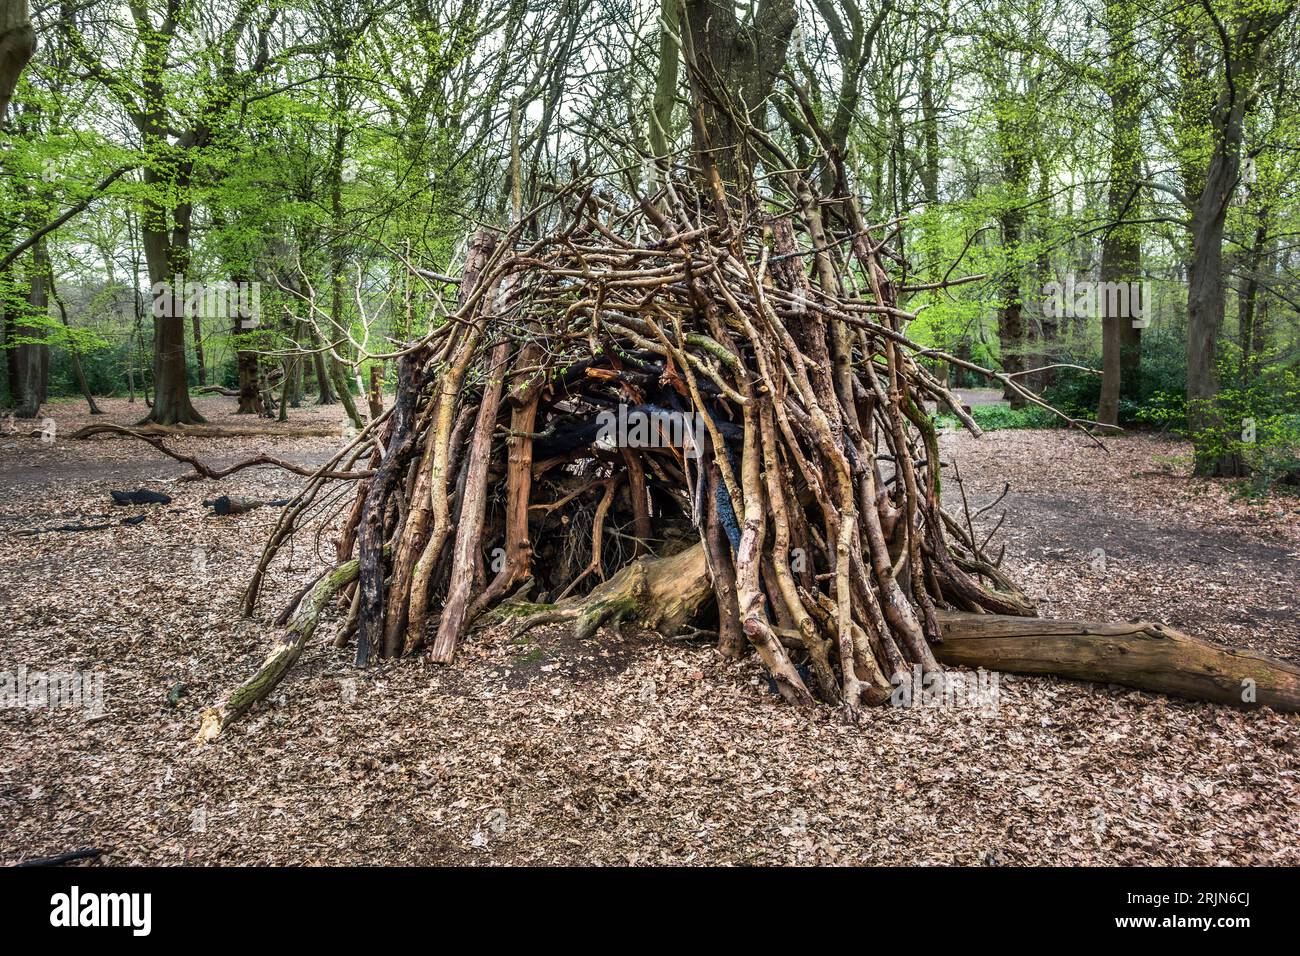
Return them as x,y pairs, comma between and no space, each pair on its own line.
624,749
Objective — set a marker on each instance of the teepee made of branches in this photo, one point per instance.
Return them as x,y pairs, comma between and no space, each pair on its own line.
681,411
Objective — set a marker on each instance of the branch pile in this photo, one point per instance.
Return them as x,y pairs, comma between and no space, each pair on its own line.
651,374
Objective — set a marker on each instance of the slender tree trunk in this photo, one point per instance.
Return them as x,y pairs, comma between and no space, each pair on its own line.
665,93
1016,147
247,364
73,353
1248,297
929,127
200,360
1121,248
1011,319
324,390
333,366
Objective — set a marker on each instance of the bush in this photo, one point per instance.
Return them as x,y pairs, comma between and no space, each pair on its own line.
993,418
1256,422
1163,373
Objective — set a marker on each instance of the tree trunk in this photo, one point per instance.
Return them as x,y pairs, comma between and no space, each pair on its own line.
344,392
324,391
73,353
29,381
17,44
929,126
665,92
739,61
250,396
167,256
1011,317
246,360
1248,297
200,359
1121,248
1205,285
1011,217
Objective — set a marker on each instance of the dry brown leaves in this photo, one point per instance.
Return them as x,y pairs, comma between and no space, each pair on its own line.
625,749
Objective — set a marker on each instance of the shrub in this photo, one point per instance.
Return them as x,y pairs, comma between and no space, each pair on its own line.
993,418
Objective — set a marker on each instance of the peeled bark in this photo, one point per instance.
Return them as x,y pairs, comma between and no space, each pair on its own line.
660,594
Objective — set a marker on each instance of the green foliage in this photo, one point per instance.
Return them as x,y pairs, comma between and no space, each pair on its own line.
1155,399
1255,421
993,418
1164,410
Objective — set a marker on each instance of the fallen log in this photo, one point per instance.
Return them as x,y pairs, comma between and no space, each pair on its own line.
1150,657
238,504
63,858
141,497
286,651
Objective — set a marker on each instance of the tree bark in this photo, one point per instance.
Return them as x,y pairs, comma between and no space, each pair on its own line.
246,361
1243,54
17,45
473,503
665,93
739,61
29,362
1121,248
1149,657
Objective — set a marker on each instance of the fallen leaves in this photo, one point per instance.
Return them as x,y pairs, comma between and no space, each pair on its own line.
625,749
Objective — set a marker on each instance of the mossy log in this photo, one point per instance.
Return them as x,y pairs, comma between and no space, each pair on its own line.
659,594
302,625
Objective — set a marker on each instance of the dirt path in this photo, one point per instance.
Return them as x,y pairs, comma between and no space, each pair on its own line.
1127,534
624,749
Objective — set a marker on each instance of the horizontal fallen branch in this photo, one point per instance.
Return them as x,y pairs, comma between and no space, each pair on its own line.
98,526
202,470
208,431
1146,656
